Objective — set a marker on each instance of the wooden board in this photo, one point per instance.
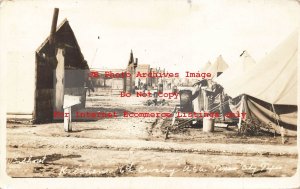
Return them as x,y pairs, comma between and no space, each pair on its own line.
59,78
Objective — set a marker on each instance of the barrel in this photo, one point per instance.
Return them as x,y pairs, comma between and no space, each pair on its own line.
208,124
186,101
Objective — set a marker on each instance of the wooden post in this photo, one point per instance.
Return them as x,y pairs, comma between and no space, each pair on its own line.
67,119
205,100
241,110
51,50
281,128
59,78
221,106
69,101
53,26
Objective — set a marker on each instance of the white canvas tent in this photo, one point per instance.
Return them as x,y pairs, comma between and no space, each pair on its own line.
218,67
245,64
274,79
205,67
270,87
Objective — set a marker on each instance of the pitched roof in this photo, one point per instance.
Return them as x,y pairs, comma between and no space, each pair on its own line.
64,24
64,32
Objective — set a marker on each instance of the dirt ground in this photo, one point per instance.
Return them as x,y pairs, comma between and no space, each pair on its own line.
113,147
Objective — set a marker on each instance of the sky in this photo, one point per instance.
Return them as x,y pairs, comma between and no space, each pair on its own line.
179,35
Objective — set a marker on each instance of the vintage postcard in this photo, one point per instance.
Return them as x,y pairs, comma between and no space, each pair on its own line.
156,93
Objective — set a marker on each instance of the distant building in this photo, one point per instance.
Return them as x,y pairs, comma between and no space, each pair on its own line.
131,68
142,68
108,84
105,84
155,80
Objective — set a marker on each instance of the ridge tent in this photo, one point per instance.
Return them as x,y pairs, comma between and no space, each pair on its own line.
218,67
205,67
269,88
246,62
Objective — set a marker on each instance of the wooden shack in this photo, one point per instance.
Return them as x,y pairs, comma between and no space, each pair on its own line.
59,69
143,69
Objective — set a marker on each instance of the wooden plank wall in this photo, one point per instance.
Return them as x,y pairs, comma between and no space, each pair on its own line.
44,104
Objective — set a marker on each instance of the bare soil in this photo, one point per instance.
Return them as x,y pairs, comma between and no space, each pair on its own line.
113,147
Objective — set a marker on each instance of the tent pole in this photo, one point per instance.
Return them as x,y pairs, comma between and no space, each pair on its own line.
205,100
281,128
221,106
241,110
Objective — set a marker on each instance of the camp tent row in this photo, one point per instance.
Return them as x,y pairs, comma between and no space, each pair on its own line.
206,66
217,68
269,88
201,103
246,62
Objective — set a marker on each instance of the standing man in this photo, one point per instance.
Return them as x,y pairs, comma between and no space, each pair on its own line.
89,85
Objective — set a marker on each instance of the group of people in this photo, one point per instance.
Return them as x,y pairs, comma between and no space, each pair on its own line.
141,86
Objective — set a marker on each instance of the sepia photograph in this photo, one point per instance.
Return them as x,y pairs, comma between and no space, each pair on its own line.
149,93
